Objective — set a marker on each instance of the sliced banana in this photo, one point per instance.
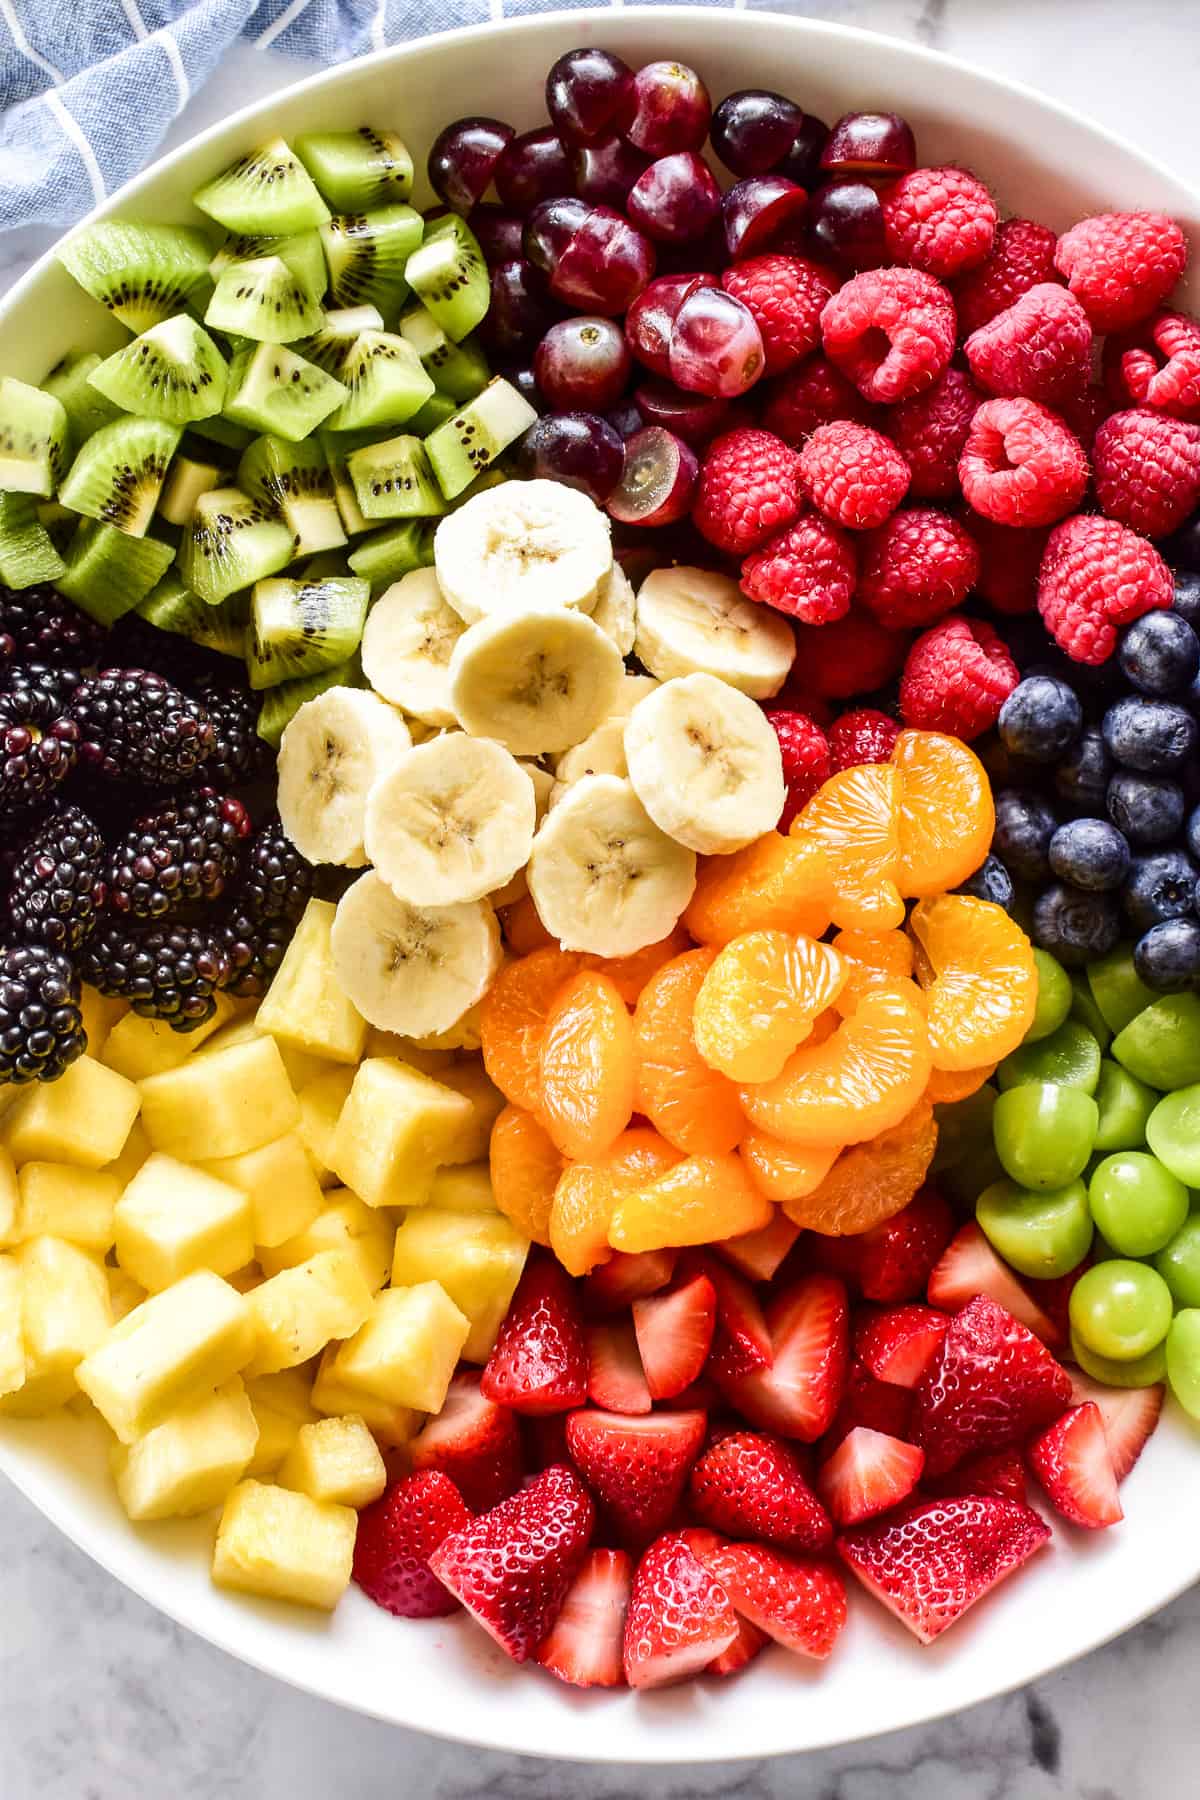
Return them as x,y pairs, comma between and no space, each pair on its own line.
603,877
705,763
536,681
602,752
544,785
451,820
464,1034
330,756
615,611
406,645
696,622
520,545
632,689
412,969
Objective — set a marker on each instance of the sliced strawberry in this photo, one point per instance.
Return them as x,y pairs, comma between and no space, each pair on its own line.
679,1618
397,1534
637,1467
626,1277
1129,1414
897,1344
744,1648
539,1361
758,1254
674,1332
743,1339
998,1472
544,1436
892,1261
616,1378
512,1567
989,1385
584,1643
751,1485
969,1266
868,1473
699,1396
1071,1460
1054,1297
799,1602
868,1401
799,1394
475,1442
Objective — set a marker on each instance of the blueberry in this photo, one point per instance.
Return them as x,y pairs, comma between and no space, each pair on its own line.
1167,957
1075,926
1154,737
1040,718
1091,854
1160,653
1182,548
1149,809
1162,886
991,881
1192,833
1081,778
1024,827
1187,596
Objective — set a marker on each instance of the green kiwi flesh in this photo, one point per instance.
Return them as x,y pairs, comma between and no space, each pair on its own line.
302,253
298,628
33,439
281,704
186,481
367,254
222,431
141,273
172,606
395,551
384,380
272,389
267,191
330,346
119,473
465,444
337,447
294,481
173,371
459,370
27,553
357,169
393,480
231,543
109,573
448,273
436,410
86,408
263,300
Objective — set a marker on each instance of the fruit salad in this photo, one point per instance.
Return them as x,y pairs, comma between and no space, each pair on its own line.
600,984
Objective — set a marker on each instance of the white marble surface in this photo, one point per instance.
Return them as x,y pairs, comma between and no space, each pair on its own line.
103,1699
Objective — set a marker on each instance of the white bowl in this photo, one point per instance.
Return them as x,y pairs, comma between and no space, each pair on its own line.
446,1677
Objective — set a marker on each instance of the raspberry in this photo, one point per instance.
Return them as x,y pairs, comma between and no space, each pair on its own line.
917,567
808,570
940,220
806,761
891,331
854,655
1121,266
957,677
1021,257
1009,560
1084,413
785,295
812,395
854,475
930,431
747,491
1021,466
1040,346
862,736
1096,575
1158,364
1147,470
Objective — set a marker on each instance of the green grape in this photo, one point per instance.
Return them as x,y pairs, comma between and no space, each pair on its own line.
1117,988
1069,1057
1173,1133
1138,1205
1125,1105
1085,1010
1162,1045
1142,1371
964,1128
1183,1359
1044,1133
1179,1263
968,1178
1041,1234
1054,997
1121,1309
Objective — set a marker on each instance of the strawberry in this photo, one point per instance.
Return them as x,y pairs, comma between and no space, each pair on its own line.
473,1441
625,1277
931,1562
880,1405
674,1333
512,1567
637,1467
999,1472
743,1341
750,1485
744,1648
544,1436
1129,1414
396,1536
539,1361
797,1601
1070,1459
969,1266
868,1473
891,1261
896,1345
989,1385
758,1254
679,1618
799,1394
1052,1295
699,1396
616,1379
583,1645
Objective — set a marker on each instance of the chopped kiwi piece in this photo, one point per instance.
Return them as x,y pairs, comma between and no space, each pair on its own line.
357,169
119,473
294,481
231,543
436,410
268,190
58,522
393,480
337,446
301,627
459,370
263,300
448,273
367,253
223,432
281,704
172,606
141,273
476,434
85,406
272,389
27,553
302,253
108,572
185,483
330,346
385,383
33,439
321,567
174,371
395,551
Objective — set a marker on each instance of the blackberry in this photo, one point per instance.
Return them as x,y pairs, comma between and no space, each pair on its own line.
169,972
135,726
136,644
182,853
255,949
278,882
47,628
239,754
41,1025
57,883
38,747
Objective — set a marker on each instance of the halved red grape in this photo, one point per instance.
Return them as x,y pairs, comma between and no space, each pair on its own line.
498,232
625,418
534,166
605,171
676,199
549,229
583,363
520,310
845,222
694,417
761,213
866,143
463,160
671,109
605,266
649,320
716,347
589,92
754,129
803,161
658,481
577,448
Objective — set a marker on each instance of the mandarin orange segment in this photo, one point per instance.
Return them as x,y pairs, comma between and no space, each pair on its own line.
871,1182
948,1085
859,1082
702,1198
693,1106
981,998
525,1168
775,884
631,973
512,1020
587,1192
759,1000
855,817
781,1171
873,960
946,813
522,927
587,1066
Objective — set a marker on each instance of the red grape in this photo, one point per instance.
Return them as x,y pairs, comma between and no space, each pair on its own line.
803,161
625,418
658,481
845,222
576,448
605,172
694,417
761,213
520,310
676,199
869,144
605,266
671,109
534,167
499,232
583,363
463,160
649,320
549,229
716,347
589,92
754,129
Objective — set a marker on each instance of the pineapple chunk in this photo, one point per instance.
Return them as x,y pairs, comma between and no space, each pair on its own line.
173,1347
278,1180
172,1220
64,1315
407,1350
138,1047
466,1188
84,1117
477,1258
305,1005
471,1080
301,1067
393,1426
12,1337
345,1224
10,1200
191,1461
75,1204
464,1034
124,1293
395,1129
321,1101
100,1014
279,1543
298,1311
221,1104
281,1406
336,1459
247,1278
137,1149
386,1043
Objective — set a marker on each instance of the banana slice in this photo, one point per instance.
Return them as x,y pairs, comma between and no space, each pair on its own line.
520,545
615,611
705,763
450,821
406,645
603,877
464,1034
330,756
696,622
536,681
602,752
632,689
544,785
412,969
